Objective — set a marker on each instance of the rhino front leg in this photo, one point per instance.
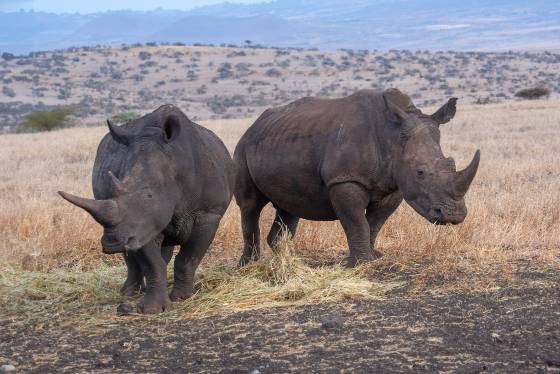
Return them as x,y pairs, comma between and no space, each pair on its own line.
378,213
349,201
134,282
154,268
191,254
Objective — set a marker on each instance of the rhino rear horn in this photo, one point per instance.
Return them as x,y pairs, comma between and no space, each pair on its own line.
116,185
464,178
118,133
101,210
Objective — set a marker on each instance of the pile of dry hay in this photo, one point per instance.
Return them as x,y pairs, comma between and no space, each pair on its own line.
275,280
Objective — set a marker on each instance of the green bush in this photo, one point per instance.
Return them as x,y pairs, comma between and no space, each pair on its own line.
47,120
125,117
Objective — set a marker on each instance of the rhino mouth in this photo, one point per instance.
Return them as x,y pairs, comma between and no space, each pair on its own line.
111,247
440,215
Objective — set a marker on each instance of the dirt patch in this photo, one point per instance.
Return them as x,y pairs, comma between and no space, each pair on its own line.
514,329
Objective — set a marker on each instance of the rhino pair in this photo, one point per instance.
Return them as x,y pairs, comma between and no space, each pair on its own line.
162,181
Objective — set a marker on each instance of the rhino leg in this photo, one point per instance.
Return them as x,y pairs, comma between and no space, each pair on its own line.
378,213
167,253
251,202
282,221
154,268
349,201
134,283
191,253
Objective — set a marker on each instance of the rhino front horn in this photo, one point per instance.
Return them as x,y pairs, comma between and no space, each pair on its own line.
101,210
465,177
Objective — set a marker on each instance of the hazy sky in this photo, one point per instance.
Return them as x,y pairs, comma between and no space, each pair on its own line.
90,6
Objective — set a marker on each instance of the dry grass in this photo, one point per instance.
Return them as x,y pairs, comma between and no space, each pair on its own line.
275,280
514,210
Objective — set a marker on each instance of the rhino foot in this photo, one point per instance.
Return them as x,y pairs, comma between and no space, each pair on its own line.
353,261
179,294
154,304
247,259
132,289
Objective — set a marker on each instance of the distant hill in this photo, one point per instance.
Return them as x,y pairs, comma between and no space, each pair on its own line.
323,24
259,28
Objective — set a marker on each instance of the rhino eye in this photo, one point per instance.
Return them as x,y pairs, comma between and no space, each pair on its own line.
149,196
420,173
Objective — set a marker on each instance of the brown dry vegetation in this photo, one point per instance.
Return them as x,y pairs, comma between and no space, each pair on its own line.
216,82
514,205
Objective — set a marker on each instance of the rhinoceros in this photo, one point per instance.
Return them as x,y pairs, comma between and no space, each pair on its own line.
159,181
351,159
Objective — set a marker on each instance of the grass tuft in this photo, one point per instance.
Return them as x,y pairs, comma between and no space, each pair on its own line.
277,280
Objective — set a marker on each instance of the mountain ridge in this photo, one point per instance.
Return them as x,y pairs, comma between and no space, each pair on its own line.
323,24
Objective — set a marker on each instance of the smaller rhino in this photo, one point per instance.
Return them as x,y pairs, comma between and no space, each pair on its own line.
159,181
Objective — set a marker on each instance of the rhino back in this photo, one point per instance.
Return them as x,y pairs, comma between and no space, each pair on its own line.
213,169
294,153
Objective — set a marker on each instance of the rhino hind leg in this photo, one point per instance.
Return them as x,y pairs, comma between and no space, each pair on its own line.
134,283
251,202
167,253
349,201
378,213
191,254
282,221
154,268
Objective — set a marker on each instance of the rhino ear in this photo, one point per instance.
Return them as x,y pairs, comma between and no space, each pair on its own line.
171,128
446,112
407,124
118,133
398,112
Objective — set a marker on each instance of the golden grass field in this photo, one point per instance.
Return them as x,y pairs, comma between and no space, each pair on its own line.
513,220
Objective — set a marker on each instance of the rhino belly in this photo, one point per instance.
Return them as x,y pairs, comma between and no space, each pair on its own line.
291,181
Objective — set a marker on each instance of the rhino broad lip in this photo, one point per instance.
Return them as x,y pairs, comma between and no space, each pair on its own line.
112,248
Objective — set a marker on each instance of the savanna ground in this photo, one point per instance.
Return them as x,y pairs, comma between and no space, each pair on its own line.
480,296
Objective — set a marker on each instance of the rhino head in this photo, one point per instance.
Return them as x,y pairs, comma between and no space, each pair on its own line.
428,180
141,205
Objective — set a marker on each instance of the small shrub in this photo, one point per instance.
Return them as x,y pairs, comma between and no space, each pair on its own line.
273,73
484,100
8,56
47,120
533,93
8,91
125,117
143,55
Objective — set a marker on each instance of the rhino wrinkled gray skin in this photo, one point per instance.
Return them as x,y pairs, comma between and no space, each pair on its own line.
353,159
159,181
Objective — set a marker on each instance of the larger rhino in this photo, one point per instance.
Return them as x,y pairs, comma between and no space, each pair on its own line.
351,159
159,181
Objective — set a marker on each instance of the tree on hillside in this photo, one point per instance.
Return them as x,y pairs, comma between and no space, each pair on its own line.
47,120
